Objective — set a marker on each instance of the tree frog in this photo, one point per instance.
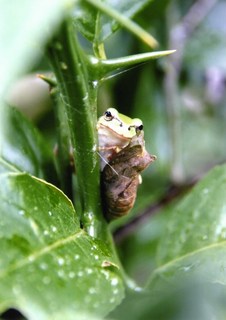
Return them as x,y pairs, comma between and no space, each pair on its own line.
115,132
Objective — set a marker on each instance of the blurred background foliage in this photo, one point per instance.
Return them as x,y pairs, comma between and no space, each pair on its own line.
181,100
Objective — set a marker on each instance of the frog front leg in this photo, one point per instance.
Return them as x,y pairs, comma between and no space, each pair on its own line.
107,153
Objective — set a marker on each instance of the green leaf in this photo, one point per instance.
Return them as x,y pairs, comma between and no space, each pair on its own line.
49,267
23,147
92,25
22,37
194,242
85,17
199,220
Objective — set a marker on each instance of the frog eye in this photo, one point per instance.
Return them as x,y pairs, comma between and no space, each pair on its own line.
137,124
108,115
111,114
139,128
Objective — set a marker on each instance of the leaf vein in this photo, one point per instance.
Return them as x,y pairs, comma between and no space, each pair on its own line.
34,256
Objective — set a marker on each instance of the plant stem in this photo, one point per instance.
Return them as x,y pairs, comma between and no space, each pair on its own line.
78,96
63,158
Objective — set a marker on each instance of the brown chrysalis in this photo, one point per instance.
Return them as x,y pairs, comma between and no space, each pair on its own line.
121,177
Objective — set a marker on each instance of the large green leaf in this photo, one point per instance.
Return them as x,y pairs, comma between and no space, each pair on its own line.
89,22
194,243
49,267
23,147
198,222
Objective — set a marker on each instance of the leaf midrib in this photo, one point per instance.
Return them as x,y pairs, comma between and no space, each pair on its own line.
187,255
44,250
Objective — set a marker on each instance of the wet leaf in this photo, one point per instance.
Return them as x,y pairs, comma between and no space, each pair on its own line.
48,265
199,220
194,246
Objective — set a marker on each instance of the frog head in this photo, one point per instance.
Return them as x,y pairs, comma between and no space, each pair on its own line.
115,132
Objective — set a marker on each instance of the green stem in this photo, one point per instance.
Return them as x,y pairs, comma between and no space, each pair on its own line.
63,158
78,96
